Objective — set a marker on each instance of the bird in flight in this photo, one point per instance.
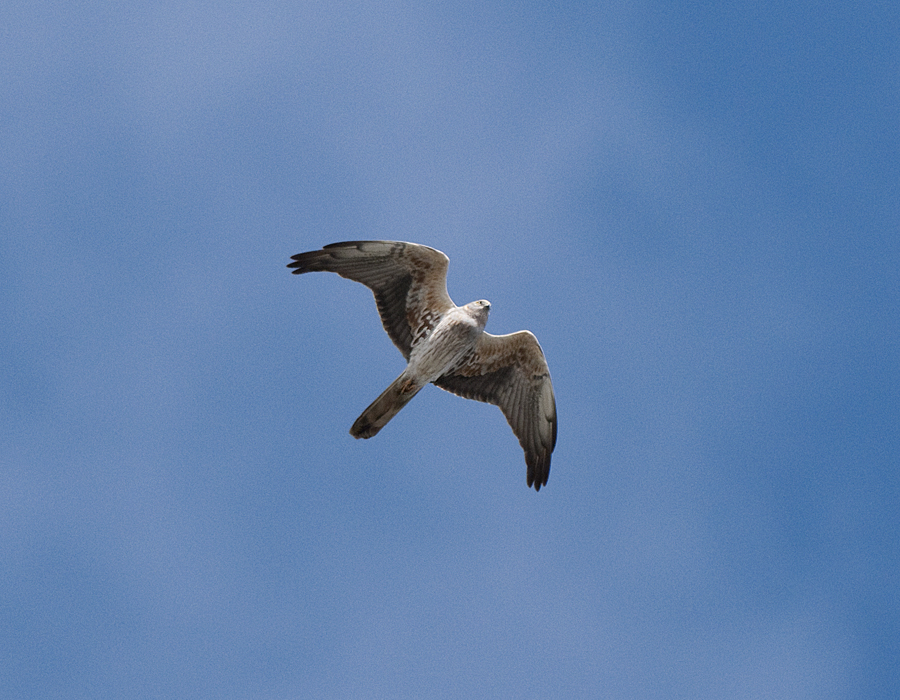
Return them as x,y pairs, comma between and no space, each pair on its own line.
445,344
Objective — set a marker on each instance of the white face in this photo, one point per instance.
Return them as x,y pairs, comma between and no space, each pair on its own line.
479,309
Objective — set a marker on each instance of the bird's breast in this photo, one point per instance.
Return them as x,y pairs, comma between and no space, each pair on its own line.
453,337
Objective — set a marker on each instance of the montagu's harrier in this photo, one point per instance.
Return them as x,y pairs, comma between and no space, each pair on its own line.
445,344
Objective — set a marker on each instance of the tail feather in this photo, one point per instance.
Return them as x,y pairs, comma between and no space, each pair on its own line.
385,407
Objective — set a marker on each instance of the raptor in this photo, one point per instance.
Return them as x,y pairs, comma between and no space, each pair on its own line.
445,344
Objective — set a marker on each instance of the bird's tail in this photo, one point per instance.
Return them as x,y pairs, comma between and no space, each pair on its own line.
385,407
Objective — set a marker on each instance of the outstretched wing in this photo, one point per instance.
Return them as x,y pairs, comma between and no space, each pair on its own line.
510,371
409,282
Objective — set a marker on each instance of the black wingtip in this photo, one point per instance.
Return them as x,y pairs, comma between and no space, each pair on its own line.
537,475
300,264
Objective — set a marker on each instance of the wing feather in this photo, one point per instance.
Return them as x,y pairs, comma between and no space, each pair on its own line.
409,282
510,371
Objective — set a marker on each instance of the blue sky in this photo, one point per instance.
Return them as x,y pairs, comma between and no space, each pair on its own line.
694,207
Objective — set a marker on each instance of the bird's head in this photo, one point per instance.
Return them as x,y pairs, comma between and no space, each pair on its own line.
479,310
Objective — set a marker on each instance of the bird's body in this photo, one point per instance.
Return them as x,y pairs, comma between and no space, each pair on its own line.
454,337
445,344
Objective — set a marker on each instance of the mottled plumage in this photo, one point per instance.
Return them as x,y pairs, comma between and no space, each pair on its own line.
445,344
